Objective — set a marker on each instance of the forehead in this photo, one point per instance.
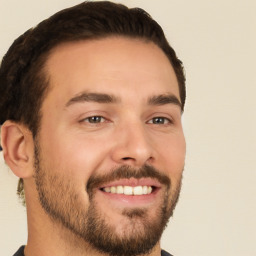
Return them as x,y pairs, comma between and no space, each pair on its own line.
113,65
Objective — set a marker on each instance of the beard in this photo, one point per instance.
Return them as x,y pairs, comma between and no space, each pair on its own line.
61,201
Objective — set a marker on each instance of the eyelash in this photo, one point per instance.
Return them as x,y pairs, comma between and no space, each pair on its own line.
159,120
156,120
90,118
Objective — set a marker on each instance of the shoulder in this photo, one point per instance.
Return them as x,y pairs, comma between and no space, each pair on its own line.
164,253
20,252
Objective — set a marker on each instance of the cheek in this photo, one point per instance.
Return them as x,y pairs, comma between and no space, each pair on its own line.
172,154
75,154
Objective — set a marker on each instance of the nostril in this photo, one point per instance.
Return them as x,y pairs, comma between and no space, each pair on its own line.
127,158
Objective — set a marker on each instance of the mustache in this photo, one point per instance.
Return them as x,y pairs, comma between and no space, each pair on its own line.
127,172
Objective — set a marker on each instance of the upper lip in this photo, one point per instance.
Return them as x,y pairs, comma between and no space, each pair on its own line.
133,182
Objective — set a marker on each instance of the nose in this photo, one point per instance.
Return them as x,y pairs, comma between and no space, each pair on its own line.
133,146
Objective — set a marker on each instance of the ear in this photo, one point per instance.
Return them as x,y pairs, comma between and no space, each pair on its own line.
17,143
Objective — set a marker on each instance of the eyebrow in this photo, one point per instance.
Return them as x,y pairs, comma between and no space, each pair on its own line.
157,100
164,99
92,97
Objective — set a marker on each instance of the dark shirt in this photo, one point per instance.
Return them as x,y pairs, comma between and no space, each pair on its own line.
20,252
164,253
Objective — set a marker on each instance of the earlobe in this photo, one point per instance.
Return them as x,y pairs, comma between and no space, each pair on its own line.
16,142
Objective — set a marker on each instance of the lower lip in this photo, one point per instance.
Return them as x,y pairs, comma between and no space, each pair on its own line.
131,200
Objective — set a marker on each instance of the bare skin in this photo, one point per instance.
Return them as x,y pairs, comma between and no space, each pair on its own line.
130,129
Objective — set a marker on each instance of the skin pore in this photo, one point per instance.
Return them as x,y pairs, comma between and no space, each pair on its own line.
112,118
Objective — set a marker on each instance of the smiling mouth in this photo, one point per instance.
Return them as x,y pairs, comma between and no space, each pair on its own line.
129,190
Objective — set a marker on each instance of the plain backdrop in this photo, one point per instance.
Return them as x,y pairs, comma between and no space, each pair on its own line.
216,40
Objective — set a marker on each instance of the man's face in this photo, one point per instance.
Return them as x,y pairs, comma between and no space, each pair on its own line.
110,152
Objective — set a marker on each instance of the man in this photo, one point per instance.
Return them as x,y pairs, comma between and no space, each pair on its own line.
91,104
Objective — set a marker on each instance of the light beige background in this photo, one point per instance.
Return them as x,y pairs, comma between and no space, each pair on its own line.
216,40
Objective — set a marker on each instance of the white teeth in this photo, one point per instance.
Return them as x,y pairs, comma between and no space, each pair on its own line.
128,190
119,190
145,190
107,189
137,190
113,189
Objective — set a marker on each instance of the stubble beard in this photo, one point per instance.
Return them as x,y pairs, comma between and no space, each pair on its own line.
60,200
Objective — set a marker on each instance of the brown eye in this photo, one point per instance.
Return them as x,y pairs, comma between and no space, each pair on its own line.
159,120
94,119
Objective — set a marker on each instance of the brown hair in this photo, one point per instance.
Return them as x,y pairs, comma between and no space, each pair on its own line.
23,83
